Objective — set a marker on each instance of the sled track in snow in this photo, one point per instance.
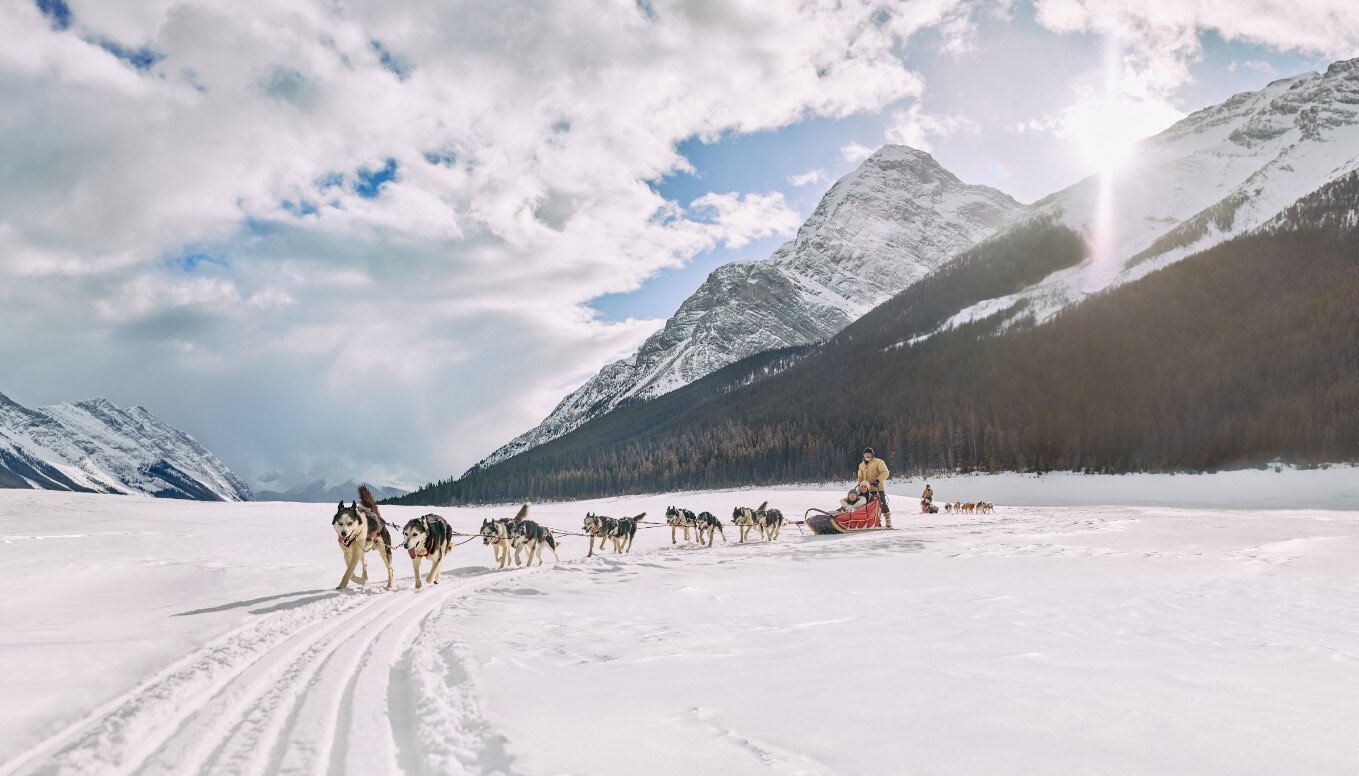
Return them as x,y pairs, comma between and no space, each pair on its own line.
316,687
361,681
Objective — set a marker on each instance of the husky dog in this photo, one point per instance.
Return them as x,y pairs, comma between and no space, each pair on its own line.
359,528
529,534
948,508
427,537
745,519
624,529
677,518
599,527
770,522
707,524
985,507
496,535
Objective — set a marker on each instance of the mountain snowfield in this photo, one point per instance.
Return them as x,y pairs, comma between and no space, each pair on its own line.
98,447
1218,173
180,637
882,227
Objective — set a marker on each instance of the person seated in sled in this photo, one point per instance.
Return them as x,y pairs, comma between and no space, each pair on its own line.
856,498
927,498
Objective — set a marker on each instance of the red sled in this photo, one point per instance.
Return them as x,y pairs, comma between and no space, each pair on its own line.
865,518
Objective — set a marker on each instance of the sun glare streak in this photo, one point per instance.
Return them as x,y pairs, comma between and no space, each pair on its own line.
1107,145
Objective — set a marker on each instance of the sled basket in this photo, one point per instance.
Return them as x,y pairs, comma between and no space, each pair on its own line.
865,518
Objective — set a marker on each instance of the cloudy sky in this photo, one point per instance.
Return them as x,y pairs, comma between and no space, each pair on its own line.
382,238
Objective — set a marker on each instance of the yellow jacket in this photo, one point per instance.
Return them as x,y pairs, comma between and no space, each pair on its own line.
873,470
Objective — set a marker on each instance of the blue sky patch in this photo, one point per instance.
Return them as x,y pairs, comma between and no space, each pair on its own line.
57,11
196,258
300,208
369,182
441,158
141,58
391,62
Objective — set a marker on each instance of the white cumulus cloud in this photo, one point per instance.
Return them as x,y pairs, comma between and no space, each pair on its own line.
807,178
409,205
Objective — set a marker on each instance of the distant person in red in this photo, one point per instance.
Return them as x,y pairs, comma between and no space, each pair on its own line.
874,472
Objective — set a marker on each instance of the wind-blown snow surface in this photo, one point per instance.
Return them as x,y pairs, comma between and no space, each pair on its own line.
178,637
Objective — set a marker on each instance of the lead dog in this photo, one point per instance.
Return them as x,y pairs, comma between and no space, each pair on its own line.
744,518
677,518
770,522
529,534
427,537
707,525
359,528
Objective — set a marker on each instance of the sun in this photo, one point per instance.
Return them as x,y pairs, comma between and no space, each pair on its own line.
1105,132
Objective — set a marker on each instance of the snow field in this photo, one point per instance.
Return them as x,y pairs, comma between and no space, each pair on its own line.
169,637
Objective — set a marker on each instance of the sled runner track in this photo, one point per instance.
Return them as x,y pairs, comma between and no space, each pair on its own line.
267,696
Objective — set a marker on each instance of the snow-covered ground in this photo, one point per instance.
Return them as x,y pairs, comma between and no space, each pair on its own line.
171,637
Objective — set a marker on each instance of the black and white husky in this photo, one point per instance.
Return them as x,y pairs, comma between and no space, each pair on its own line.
499,535
770,522
359,528
707,525
598,527
496,535
533,536
677,518
624,529
746,520
427,537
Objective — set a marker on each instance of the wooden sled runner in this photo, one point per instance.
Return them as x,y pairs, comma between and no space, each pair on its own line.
864,518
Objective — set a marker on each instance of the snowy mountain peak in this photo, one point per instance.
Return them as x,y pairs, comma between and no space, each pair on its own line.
96,446
892,220
1218,173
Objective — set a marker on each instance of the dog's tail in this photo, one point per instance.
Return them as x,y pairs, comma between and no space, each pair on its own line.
638,518
366,498
762,505
523,512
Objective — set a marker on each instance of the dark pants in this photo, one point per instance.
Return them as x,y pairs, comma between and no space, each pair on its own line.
882,502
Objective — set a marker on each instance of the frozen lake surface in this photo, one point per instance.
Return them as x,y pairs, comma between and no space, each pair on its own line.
170,637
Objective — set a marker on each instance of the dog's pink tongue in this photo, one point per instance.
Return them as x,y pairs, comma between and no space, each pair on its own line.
412,552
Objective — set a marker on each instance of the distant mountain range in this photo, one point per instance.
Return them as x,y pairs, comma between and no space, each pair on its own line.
322,492
1235,187
96,447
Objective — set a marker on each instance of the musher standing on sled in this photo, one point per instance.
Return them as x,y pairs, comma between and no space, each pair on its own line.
874,472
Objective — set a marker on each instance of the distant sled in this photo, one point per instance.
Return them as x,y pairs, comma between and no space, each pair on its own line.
864,518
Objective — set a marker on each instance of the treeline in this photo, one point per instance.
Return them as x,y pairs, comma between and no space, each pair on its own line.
1243,354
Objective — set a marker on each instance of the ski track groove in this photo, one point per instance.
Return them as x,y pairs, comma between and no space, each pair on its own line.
271,694
250,700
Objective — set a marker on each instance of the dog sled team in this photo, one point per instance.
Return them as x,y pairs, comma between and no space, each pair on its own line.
360,529
958,507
